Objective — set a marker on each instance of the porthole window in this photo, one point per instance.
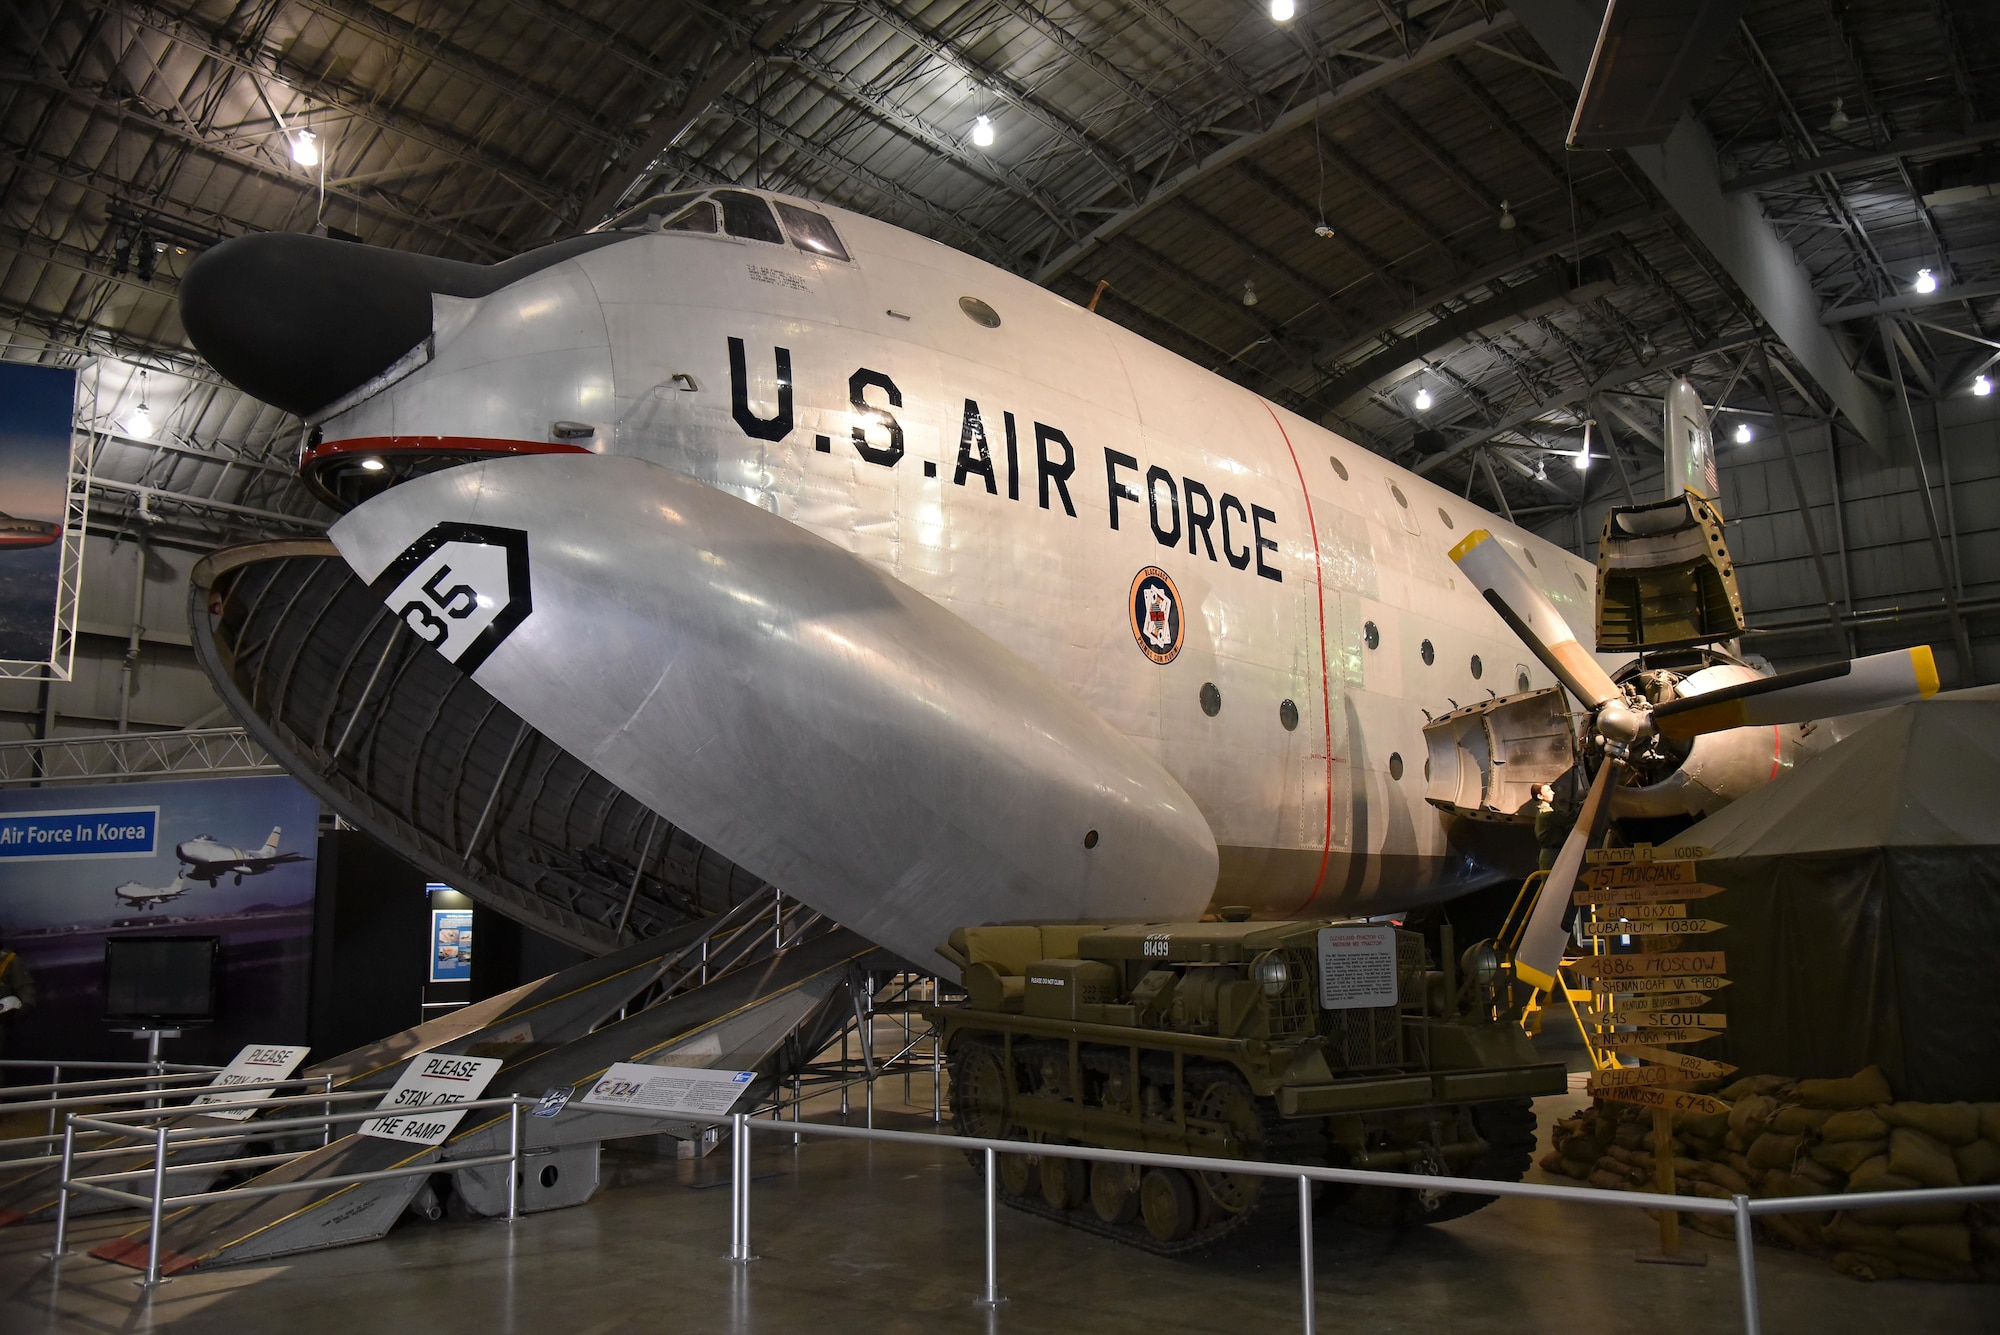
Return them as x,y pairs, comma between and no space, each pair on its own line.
1338,466
1288,714
1478,668
1371,636
1211,699
979,312
1521,681
1401,499
1445,518
1531,558
1090,839
1429,654
1396,765
1580,585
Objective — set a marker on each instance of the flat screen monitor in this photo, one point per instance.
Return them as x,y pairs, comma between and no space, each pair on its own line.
155,982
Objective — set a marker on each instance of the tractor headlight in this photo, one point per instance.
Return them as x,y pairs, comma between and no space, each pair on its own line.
1481,963
1272,974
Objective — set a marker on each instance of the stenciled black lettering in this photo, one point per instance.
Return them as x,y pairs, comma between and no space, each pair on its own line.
1113,461
1013,459
1199,520
1164,536
759,428
858,386
1237,561
973,456
1258,516
1048,470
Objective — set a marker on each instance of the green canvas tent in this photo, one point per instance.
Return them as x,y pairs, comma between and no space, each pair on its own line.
1862,897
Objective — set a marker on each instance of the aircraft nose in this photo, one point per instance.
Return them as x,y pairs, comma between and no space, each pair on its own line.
298,321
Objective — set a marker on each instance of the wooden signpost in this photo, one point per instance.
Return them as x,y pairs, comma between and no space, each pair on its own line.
1648,1004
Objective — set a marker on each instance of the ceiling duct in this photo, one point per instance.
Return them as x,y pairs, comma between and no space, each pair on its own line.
1649,55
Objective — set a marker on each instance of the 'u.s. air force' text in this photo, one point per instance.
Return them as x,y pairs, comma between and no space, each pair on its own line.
1219,526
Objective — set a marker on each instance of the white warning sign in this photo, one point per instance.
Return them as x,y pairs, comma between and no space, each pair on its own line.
668,1091
416,1107
258,1063
1357,967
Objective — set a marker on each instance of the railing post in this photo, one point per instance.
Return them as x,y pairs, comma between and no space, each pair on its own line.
55,1078
739,1189
991,1298
62,1194
159,1196
513,1161
1306,1252
868,1043
326,1111
1746,1267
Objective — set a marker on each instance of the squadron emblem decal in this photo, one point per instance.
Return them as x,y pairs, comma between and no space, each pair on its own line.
1155,607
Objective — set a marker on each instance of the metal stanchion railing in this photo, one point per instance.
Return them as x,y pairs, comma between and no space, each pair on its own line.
1742,1209
991,1298
89,1101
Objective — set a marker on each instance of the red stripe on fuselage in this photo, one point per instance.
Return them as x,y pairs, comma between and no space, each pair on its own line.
328,450
1325,689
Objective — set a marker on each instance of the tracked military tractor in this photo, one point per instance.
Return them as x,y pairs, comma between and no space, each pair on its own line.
1313,1042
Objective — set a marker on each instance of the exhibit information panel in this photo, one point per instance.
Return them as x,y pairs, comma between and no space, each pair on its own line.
421,1100
259,1063
1357,967
451,945
670,1091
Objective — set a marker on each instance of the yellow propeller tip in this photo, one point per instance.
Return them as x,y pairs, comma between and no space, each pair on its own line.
1471,540
1534,977
1926,666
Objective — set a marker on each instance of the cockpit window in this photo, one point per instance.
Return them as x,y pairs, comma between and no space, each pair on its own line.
812,232
694,218
648,214
748,216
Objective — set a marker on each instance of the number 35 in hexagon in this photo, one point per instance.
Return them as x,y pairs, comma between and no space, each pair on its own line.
461,588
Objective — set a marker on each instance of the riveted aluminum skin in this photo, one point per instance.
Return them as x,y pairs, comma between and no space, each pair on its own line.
836,731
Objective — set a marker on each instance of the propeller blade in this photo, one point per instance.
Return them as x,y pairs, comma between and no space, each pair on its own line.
1544,940
1793,697
1530,614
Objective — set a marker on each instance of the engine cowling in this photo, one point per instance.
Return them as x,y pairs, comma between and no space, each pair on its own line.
1714,770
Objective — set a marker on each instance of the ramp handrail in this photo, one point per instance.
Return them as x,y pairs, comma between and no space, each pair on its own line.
1742,1209
161,1136
153,1089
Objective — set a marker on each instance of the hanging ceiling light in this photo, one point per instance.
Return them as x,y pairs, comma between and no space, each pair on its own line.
1982,386
305,148
982,132
1283,10
1507,223
139,425
1840,120
1743,433
1583,455
1423,400
1926,281
1325,228
1249,292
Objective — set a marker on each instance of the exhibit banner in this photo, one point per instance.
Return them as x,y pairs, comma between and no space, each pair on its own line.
37,410
231,858
451,945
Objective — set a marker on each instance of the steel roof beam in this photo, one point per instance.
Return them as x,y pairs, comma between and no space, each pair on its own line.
1686,171
1863,159
1360,86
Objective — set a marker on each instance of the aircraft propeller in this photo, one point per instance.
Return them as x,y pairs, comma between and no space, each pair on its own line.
1622,721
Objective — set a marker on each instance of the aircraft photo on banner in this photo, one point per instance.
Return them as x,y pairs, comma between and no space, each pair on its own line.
37,407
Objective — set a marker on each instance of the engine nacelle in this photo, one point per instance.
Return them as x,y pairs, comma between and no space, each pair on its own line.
1719,767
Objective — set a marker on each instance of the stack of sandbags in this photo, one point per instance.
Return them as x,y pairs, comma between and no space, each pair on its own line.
1785,1137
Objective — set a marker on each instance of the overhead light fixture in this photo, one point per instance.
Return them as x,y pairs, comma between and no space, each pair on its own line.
1507,223
1926,281
1743,433
305,148
1249,292
1583,455
1324,229
1422,401
139,425
1283,10
1542,469
982,132
1647,351
1839,120
373,465
1982,386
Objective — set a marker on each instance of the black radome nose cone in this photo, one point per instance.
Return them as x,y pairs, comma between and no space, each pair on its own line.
298,321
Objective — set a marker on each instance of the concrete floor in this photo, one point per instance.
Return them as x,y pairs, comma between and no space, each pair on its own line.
887,1239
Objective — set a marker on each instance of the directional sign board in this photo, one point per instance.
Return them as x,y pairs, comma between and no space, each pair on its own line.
1664,1001
1639,1038
1601,857
1674,1100
668,1091
259,1063
1633,1075
1693,982
415,1108
1686,1063
1640,874
1650,927
1650,966
1641,894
